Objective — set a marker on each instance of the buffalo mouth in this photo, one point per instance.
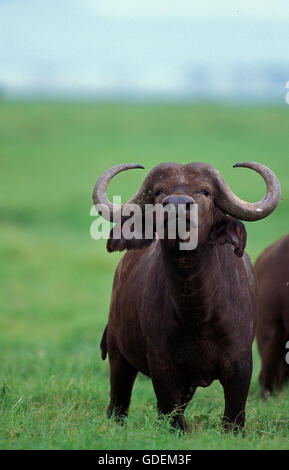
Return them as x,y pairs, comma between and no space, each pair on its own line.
181,228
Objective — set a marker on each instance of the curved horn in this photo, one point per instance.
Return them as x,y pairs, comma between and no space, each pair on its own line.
99,195
235,207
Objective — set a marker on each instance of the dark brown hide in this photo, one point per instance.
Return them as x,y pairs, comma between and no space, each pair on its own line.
272,271
183,318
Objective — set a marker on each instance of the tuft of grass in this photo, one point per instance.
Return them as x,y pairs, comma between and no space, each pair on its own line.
56,281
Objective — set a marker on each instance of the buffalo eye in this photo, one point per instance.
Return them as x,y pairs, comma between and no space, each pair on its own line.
205,192
158,192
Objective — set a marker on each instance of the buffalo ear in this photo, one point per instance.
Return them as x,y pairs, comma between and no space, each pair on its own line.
228,230
121,243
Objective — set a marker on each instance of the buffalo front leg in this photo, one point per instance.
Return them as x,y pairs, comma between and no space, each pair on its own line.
122,377
170,395
236,386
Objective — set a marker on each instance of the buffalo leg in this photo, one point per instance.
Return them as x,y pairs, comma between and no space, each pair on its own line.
271,358
122,377
236,387
283,374
283,367
170,398
171,407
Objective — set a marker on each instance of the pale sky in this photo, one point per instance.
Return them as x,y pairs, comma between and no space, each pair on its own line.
144,46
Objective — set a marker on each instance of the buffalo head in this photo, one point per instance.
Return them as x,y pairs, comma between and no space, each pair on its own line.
195,183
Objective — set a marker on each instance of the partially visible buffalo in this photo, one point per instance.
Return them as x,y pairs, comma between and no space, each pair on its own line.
272,271
185,318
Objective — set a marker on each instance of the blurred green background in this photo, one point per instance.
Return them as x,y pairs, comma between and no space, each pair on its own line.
56,281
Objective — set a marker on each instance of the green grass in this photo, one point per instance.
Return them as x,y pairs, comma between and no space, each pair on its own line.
56,281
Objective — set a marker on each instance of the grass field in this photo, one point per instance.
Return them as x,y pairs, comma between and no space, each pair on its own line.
56,281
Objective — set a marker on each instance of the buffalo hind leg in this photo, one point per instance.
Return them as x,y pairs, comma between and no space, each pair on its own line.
236,388
122,377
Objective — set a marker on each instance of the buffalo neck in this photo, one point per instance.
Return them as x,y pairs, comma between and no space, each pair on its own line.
193,278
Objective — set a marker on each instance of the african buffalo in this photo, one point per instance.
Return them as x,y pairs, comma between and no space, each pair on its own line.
272,332
185,318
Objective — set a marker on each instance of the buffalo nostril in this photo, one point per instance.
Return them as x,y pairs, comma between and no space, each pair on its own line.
178,200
